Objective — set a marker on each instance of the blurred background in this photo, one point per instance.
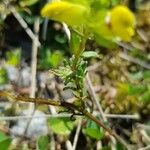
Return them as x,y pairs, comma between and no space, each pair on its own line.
120,78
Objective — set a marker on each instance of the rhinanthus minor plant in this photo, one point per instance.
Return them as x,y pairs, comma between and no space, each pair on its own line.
86,20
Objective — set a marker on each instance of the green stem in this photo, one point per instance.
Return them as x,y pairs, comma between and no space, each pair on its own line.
79,52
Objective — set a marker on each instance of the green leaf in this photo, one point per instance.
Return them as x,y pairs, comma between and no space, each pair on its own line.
2,136
145,97
3,76
48,59
136,89
93,130
89,54
119,146
4,141
60,39
105,148
63,72
56,58
62,126
146,74
43,142
13,57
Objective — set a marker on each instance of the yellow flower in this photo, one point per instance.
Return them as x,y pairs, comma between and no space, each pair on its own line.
63,11
122,22
117,23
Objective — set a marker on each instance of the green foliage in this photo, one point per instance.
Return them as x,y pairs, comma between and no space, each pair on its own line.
60,39
4,141
74,43
50,59
73,75
93,130
3,76
141,75
119,147
13,57
105,42
62,126
89,54
138,91
43,142
105,148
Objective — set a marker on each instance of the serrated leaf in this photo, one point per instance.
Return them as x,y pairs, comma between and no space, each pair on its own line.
62,126
89,54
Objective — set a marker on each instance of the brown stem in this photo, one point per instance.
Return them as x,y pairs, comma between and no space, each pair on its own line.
100,124
65,105
27,99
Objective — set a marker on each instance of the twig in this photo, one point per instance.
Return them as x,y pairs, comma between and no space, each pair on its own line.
44,29
77,135
93,67
145,136
33,71
145,148
94,97
9,118
34,58
68,106
52,141
142,34
23,24
134,60
69,145
136,116
125,45
96,100
5,130
142,126
117,137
